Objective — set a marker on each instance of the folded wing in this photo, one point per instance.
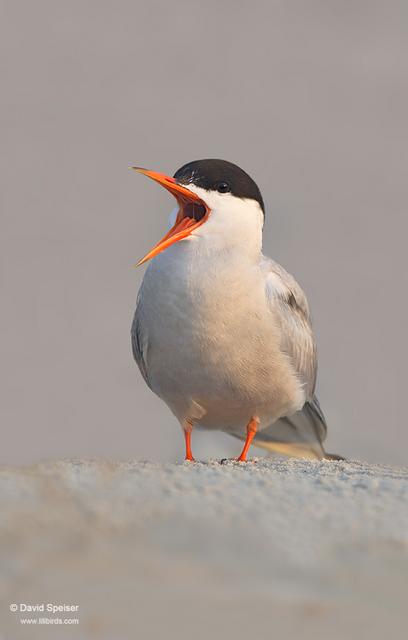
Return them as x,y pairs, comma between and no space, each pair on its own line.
302,433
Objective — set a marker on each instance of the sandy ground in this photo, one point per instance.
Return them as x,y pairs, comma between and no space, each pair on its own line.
273,549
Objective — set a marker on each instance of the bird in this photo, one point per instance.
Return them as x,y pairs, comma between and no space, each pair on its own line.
222,333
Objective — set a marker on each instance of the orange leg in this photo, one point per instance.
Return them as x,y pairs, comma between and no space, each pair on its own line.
187,436
251,431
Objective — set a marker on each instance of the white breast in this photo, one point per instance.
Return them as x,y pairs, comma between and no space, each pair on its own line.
212,348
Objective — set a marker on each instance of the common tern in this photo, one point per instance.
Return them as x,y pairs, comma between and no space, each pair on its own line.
222,333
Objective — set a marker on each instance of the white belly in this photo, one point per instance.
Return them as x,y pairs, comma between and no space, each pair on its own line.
211,345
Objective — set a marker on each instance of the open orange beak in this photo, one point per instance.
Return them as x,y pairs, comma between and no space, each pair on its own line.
193,212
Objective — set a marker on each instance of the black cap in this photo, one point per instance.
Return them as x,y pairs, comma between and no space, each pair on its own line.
222,176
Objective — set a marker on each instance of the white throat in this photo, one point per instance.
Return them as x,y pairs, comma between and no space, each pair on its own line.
234,225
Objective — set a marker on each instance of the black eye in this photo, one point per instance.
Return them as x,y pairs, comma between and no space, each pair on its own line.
223,187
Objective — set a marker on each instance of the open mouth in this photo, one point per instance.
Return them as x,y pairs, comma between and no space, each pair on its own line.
193,212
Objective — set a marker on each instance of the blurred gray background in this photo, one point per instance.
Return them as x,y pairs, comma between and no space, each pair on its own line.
311,98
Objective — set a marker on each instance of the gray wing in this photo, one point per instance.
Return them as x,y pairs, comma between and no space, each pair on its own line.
140,342
304,431
301,434
290,310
